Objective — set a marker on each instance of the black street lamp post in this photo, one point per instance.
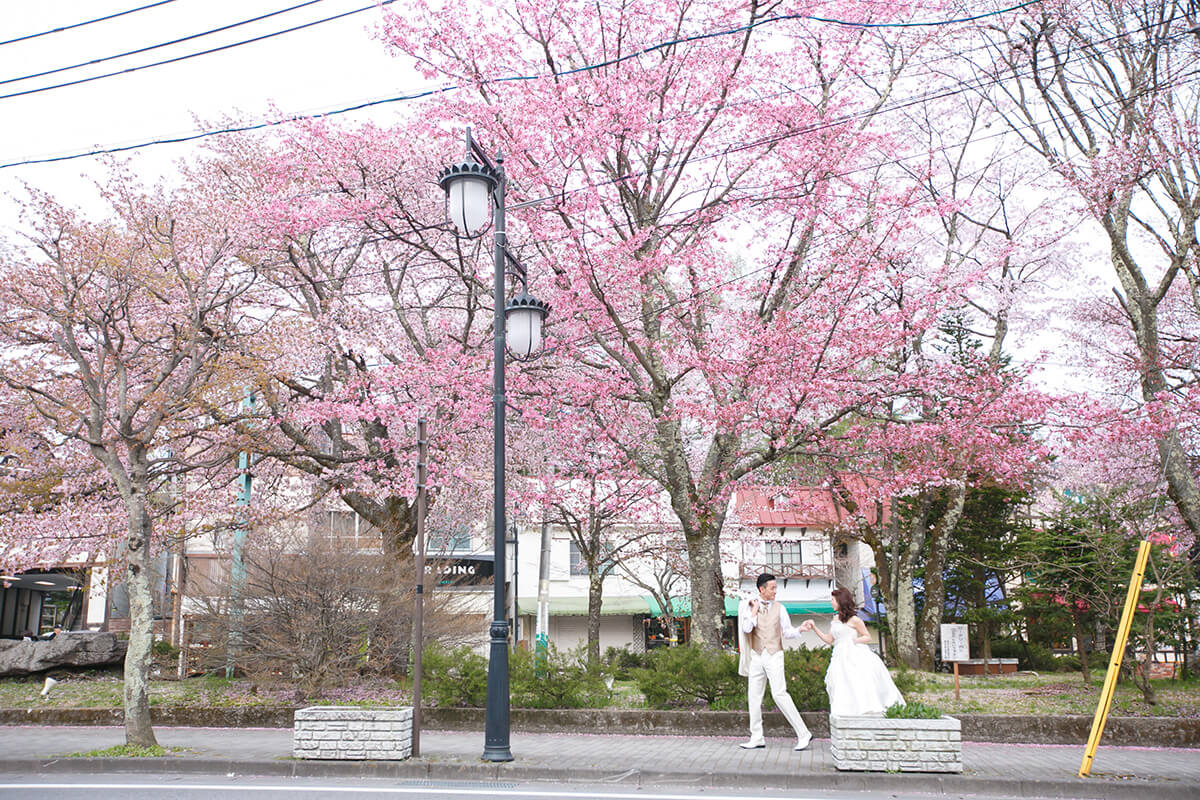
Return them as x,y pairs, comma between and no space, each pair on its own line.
470,187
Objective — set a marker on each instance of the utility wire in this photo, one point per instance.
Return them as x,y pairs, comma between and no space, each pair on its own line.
722,153
29,36
209,51
148,48
411,96
590,337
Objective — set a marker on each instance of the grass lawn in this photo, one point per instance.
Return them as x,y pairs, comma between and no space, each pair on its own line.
104,689
1052,693
1022,693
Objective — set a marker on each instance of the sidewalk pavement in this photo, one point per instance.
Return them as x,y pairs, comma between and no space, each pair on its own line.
1004,770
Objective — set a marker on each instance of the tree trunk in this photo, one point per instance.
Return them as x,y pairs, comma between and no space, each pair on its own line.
1081,647
907,554
1149,647
935,583
1183,490
708,587
138,730
595,598
883,541
395,517
984,626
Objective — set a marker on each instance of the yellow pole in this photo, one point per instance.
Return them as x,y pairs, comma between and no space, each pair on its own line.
1114,663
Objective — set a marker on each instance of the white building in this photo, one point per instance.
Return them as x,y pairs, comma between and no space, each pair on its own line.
789,533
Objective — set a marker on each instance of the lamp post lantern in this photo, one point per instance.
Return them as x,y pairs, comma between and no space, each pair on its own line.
470,186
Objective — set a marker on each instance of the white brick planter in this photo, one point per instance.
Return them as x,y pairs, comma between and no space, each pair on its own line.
351,732
878,744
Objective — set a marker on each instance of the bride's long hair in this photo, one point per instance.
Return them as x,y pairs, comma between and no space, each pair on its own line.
845,604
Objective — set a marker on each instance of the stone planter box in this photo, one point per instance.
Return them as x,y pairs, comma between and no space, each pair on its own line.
352,732
878,744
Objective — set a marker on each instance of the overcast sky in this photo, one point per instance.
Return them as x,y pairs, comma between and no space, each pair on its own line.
330,65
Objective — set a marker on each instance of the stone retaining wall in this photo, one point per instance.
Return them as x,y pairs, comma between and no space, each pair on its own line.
876,744
1051,729
353,732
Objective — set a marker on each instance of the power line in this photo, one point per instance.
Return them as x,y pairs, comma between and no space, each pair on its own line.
209,51
147,49
29,36
616,325
417,95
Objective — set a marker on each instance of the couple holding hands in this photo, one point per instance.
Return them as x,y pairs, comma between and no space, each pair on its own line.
857,681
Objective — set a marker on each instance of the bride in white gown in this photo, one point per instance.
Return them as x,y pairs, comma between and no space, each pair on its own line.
857,681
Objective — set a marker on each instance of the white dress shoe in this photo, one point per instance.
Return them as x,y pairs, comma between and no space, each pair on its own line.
802,744
752,745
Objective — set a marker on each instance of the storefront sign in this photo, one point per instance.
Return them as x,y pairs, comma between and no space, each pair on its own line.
461,571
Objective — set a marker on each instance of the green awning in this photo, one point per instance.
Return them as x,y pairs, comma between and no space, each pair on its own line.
680,606
634,606
683,606
578,606
808,606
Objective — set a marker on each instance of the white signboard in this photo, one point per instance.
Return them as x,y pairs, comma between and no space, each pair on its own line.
955,646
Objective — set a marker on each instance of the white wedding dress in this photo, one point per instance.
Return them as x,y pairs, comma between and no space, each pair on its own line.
857,681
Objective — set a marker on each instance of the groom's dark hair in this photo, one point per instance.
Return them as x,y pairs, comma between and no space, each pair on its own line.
764,579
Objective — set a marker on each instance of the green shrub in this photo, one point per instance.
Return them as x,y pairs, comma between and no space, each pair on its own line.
907,680
454,677
1029,655
912,710
1071,663
805,670
566,681
685,676
162,647
621,662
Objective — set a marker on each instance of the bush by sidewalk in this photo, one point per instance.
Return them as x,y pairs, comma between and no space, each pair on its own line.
457,678
681,677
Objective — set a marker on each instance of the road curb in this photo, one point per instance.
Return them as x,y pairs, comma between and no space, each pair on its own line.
1004,729
516,772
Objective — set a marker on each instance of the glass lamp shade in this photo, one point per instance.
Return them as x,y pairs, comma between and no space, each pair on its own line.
468,188
523,319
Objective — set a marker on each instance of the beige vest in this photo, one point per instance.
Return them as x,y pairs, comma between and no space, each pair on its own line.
767,634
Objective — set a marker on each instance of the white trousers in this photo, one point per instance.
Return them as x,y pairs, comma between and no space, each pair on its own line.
768,668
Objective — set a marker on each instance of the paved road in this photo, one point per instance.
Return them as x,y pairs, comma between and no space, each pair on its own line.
646,762
125,787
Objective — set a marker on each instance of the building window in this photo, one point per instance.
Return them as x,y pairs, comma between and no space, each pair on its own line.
451,540
782,556
349,531
579,565
578,562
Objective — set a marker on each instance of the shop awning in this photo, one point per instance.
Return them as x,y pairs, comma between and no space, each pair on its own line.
645,604
578,606
682,606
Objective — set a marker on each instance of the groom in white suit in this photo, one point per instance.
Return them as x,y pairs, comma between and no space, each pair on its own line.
762,626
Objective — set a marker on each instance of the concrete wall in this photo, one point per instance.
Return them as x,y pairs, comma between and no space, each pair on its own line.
1050,729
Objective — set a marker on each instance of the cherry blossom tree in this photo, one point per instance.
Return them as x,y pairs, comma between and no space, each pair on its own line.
113,333
1105,93
967,418
710,201
377,315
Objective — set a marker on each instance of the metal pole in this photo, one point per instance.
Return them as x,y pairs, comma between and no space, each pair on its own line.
543,604
1114,661
515,588
419,617
496,722
237,587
